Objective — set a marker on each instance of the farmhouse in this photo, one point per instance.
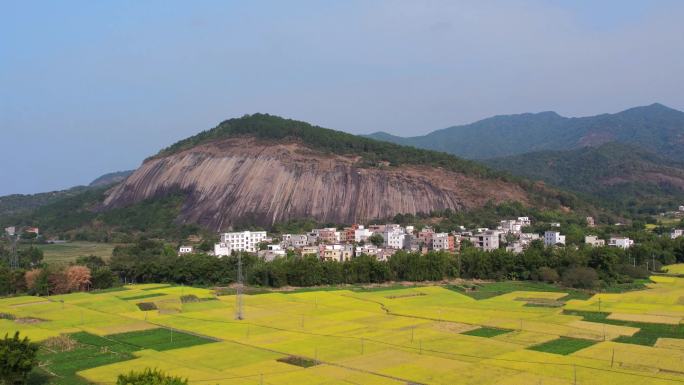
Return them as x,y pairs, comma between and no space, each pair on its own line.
552,238
185,250
621,242
594,241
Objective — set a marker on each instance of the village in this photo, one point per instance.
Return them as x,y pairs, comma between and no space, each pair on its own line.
383,240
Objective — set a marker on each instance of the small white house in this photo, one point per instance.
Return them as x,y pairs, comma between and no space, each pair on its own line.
594,241
185,250
681,208
552,238
621,242
676,233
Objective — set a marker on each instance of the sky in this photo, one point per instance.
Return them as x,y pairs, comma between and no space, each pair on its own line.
89,87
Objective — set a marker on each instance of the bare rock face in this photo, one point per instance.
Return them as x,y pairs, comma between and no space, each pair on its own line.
243,180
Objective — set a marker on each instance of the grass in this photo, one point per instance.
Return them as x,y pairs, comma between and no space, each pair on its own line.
647,335
486,332
159,339
563,346
143,296
62,253
92,351
494,289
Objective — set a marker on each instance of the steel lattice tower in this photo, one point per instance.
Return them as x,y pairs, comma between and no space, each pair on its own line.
238,290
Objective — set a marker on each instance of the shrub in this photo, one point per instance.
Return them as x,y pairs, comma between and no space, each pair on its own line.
580,277
548,274
149,377
17,359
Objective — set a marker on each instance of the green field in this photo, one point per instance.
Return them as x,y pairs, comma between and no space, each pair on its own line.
68,252
393,335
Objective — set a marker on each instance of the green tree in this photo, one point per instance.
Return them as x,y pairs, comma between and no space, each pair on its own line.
149,377
17,359
376,239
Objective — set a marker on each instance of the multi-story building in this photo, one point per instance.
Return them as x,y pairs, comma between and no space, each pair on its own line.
295,240
394,236
443,241
338,252
591,222
524,221
240,241
349,233
487,240
425,236
676,233
510,226
362,234
310,250
328,235
621,242
594,241
553,238
11,230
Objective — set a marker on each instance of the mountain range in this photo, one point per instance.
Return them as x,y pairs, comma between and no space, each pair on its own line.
654,128
261,170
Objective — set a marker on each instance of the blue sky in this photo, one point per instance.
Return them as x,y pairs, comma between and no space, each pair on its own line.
88,87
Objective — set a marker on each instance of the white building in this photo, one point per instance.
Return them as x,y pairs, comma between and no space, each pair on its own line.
676,233
242,241
681,208
272,252
362,234
594,241
295,240
395,237
440,241
11,230
621,242
510,226
552,238
487,240
185,250
524,221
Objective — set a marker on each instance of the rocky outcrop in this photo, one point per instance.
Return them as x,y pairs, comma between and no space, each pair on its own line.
242,180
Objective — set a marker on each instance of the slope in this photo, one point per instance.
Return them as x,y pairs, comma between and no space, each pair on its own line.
656,128
623,177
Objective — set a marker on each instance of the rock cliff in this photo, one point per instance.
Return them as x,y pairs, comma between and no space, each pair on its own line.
246,180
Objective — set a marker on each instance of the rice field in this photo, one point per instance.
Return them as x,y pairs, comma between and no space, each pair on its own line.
417,335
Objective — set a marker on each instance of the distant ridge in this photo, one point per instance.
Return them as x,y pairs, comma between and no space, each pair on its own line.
656,128
110,178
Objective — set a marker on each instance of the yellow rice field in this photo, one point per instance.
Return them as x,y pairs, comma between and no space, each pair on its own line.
405,336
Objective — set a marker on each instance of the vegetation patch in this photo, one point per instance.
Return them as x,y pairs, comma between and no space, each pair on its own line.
494,289
189,298
29,320
298,361
7,316
541,302
648,333
486,332
59,362
563,345
159,339
147,306
109,290
405,295
143,296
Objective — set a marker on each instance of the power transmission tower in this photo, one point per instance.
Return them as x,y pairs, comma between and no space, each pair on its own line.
238,290
13,259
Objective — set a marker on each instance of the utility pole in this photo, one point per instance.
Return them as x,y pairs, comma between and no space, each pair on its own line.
238,290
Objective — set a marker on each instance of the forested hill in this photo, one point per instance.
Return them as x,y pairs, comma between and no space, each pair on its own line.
275,128
623,177
655,128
